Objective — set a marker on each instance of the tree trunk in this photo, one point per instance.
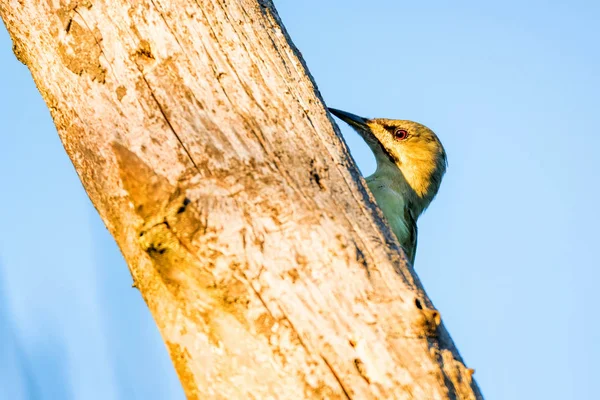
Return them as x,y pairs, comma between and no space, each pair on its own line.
203,143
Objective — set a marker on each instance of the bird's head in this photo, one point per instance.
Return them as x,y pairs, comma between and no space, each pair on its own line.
406,145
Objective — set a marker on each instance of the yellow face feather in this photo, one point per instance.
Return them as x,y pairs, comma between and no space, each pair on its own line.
415,150
409,155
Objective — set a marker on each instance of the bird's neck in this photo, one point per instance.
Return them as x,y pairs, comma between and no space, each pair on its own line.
406,184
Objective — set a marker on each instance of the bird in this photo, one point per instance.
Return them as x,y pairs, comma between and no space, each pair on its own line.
411,162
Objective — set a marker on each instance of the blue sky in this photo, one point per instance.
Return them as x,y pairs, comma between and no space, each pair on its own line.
507,251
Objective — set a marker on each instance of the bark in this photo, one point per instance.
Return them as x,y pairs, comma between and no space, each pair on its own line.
203,143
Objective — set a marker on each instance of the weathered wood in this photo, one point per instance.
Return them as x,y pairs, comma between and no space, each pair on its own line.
205,147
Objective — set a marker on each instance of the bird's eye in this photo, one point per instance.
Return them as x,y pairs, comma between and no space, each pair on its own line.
400,134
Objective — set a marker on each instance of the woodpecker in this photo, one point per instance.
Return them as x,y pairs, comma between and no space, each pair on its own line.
411,162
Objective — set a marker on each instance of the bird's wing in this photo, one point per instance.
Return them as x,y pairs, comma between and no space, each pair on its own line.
411,242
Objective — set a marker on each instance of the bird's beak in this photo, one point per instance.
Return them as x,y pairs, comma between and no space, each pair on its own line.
351,119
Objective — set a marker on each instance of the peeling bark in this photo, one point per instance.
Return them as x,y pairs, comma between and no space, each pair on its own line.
203,143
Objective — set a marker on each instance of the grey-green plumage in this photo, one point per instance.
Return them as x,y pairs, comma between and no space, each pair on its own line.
411,163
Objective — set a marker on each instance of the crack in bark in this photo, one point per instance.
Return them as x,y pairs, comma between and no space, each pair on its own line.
160,108
337,378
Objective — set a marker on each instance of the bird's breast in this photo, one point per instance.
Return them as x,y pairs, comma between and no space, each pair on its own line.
392,205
